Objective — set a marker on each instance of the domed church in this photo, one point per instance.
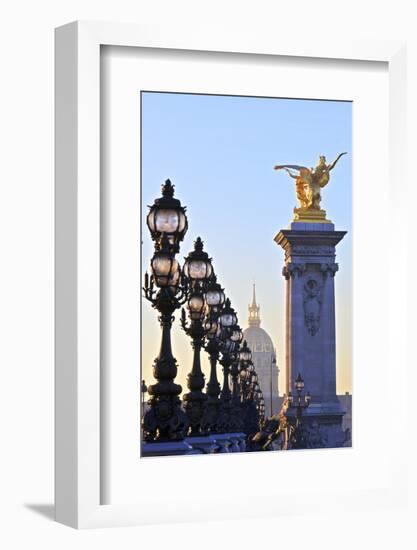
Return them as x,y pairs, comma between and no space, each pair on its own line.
263,357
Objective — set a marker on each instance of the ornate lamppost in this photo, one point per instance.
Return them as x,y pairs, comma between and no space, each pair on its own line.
197,273
298,439
253,402
237,423
227,321
236,336
247,370
246,365
246,373
298,401
165,420
214,299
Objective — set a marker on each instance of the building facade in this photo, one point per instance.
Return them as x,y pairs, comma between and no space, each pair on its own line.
264,357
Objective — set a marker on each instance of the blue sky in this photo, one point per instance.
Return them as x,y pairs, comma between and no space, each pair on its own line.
220,151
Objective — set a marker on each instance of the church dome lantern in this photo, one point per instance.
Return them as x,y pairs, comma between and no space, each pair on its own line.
254,312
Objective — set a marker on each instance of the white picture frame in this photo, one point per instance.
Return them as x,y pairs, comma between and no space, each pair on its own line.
78,406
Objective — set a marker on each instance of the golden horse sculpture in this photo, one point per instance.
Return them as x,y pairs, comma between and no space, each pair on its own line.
308,185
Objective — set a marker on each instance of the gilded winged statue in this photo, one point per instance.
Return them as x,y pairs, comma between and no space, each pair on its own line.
310,181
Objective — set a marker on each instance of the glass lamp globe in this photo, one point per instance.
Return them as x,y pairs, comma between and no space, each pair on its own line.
228,316
197,265
245,353
196,306
165,268
214,294
167,217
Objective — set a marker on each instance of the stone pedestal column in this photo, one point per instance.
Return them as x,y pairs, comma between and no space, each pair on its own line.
309,271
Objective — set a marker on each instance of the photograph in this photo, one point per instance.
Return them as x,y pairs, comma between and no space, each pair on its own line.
208,245
246,264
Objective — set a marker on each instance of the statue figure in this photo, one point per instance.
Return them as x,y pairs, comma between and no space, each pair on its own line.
273,433
310,181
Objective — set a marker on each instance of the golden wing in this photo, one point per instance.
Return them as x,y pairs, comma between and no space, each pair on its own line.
333,164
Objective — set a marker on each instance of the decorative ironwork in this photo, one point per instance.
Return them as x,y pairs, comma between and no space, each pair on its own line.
212,325
166,290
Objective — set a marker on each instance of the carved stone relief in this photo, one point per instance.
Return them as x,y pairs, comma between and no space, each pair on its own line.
312,304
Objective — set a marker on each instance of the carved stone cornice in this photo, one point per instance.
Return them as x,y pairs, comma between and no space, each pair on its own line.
311,244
